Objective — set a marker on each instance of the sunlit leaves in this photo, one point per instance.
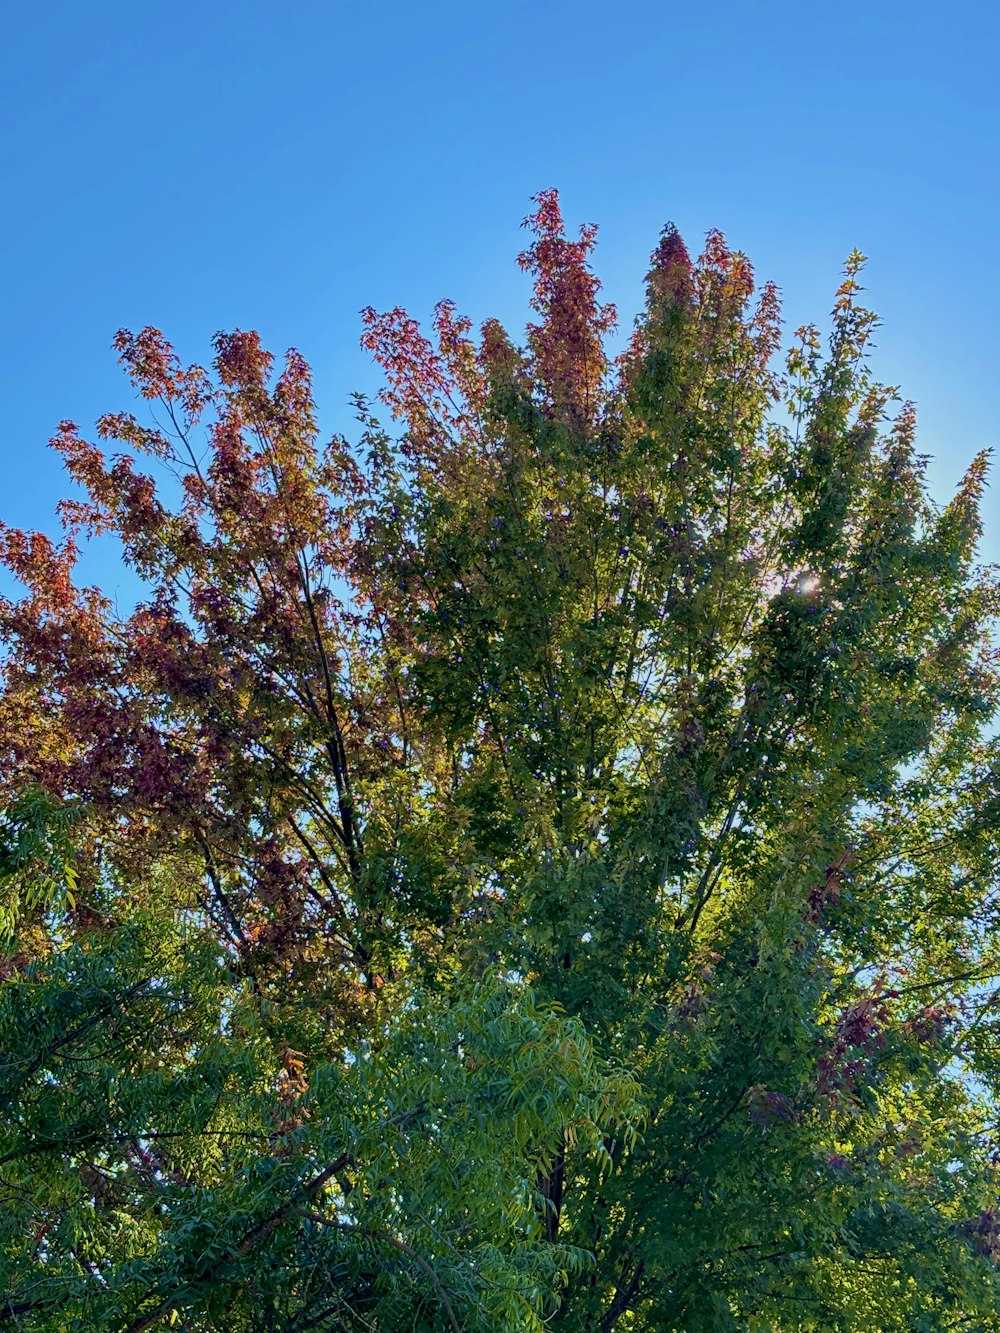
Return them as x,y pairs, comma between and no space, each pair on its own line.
538,870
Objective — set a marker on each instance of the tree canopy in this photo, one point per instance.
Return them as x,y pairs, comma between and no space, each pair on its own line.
531,865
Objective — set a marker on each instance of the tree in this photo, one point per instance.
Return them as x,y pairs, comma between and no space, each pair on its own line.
534,866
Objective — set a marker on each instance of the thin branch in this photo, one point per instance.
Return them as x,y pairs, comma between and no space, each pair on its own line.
387,1239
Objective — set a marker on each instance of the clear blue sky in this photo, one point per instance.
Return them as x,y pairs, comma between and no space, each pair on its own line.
221,164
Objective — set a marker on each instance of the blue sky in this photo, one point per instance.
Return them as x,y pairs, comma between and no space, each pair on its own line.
200,166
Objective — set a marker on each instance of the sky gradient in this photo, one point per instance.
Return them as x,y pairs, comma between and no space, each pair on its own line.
213,165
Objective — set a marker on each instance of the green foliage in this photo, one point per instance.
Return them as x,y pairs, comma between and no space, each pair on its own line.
36,858
166,1160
